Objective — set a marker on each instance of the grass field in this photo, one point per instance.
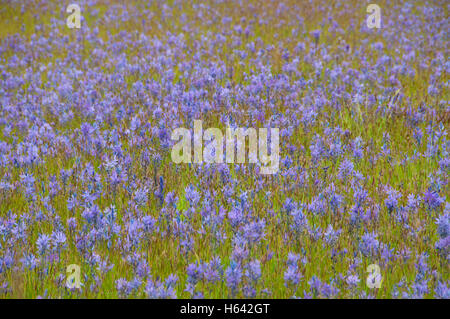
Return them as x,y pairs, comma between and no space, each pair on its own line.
87,179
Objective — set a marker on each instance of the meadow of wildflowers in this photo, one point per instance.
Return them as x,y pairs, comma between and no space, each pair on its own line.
88,186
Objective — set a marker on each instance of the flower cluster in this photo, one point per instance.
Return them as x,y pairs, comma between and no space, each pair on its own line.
86,176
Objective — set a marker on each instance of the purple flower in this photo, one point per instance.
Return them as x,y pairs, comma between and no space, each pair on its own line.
253,271
236,217
315,285
413,202
29,261
369,244
149,224
122,287
140,196
43,244
292,276
212,271
442,290
289,205
443,225
300,222
59,239
316,35
392,199
422,266
233,276
254,231
346,169
194,272
443,246
192,195
352,280
432,200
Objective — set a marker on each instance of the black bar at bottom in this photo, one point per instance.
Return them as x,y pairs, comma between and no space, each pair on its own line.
219,308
